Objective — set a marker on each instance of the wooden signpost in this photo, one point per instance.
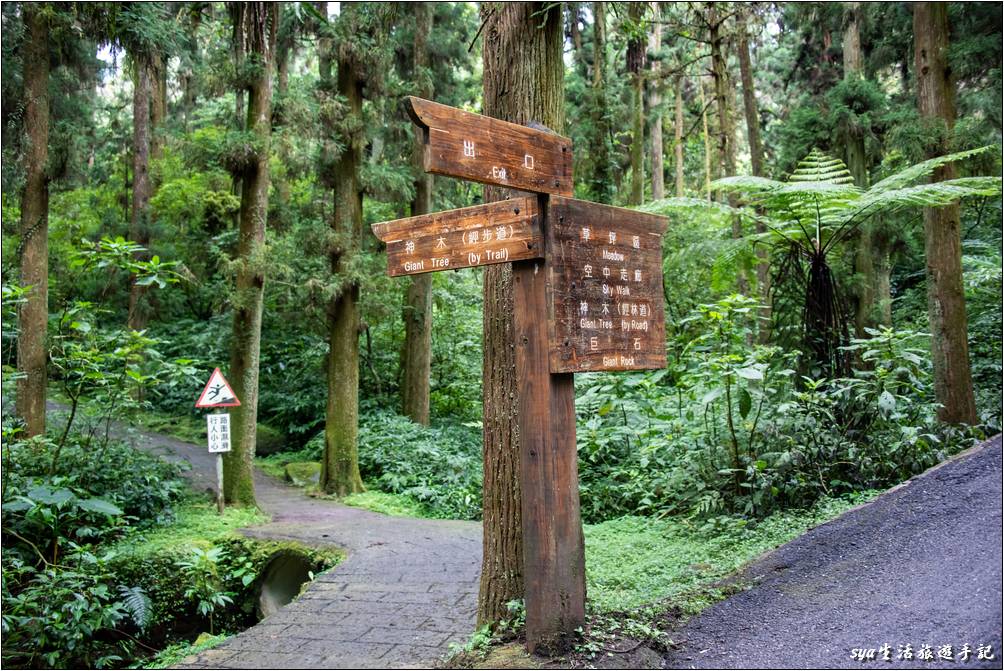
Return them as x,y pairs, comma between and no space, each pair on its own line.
587,285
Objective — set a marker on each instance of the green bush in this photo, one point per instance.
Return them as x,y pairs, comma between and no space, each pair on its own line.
66,616
727,428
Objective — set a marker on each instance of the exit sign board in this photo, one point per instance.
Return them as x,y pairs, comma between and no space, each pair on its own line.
605,298
482,149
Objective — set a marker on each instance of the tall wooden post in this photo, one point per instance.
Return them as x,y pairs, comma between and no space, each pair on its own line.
553,546
586,295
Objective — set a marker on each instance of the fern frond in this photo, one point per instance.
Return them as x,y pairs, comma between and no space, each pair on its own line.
821,167
138,604
937,194
746,184
923,169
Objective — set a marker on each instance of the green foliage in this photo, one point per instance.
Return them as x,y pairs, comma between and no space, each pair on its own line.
62,617
90,496
398,505
63,605
728,428
633,561
204,584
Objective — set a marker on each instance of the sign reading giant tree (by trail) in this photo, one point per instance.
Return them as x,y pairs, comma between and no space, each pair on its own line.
506,230
605,308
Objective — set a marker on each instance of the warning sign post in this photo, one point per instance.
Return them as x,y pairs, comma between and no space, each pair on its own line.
218,394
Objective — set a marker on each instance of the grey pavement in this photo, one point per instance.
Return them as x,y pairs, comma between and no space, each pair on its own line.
919,566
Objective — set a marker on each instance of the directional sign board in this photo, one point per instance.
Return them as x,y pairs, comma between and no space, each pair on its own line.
218,429
217,393
482,149
507,230
605,288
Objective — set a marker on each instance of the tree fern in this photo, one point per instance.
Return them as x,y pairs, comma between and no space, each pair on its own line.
810,212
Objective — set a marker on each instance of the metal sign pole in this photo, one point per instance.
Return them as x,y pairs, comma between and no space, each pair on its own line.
219,478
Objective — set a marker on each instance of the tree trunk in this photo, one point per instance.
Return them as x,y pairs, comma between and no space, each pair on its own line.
574,17
418,303
946,305
158,102
602,180
34,246
144,76
756,161
258,25
678,138
523,82
655,109
706,135
340,468
189,92
726,129
635,67
854,154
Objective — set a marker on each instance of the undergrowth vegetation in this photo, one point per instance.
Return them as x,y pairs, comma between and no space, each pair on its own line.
108,556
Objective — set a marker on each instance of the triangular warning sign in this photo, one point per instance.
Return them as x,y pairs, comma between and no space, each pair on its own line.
217,393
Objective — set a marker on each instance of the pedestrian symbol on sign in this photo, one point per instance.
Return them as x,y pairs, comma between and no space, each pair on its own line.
217,393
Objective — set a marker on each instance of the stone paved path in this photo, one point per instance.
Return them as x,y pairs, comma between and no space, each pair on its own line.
406,590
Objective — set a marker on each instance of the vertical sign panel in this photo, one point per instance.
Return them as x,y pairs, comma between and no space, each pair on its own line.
606,302
218,428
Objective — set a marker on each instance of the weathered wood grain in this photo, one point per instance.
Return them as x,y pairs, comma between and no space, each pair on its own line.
498,232
553,548
481,149
605,301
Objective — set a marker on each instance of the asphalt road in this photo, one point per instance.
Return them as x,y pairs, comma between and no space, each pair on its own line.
919,566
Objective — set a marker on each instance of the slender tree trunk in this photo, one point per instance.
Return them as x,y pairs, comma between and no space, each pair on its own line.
756,161
418,303
706,136
523,82
602,180
574,32
340,468
284,53
258,25
144,76
635,67
857,164
158,103
946,304
655,109
34,228
678,138
726,128
189,91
